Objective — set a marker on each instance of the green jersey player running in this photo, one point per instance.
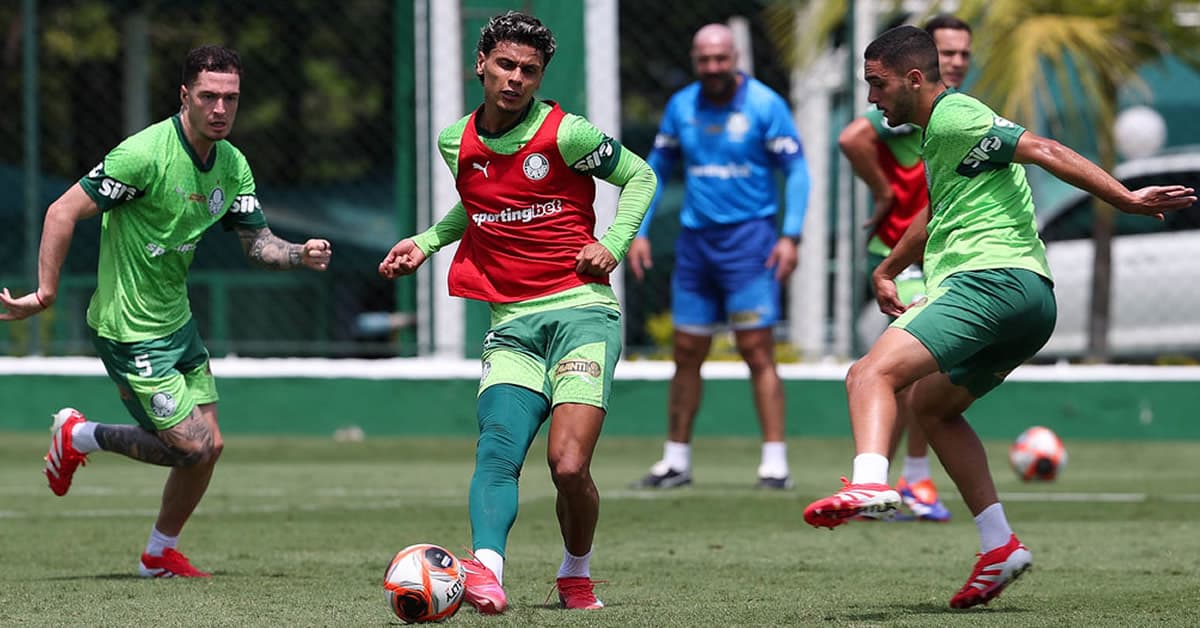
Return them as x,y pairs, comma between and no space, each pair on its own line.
525,172
159,191
989,302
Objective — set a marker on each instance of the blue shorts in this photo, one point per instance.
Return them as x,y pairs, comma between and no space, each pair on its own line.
721,277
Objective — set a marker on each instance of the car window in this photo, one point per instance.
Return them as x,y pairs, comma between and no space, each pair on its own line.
1075,222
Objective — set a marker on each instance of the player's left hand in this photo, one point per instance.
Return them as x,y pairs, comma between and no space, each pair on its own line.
783,258
1153,200
596,260
19,308
316,254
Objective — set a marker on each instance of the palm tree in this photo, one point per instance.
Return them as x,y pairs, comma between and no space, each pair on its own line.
1083,51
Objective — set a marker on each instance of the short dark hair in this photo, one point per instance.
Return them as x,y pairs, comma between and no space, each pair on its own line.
904,48
946,20
212,59
517,28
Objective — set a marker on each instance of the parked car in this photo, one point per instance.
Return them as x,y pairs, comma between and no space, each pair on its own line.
1155,306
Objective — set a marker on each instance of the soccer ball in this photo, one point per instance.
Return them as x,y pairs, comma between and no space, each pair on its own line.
1037,454
424,582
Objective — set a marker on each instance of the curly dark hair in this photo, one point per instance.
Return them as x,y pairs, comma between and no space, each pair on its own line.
517,28
212,59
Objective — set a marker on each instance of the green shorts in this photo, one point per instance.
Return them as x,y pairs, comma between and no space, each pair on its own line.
568,355
980,325
161,380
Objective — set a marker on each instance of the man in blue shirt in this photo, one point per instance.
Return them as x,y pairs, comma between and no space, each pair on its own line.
732,133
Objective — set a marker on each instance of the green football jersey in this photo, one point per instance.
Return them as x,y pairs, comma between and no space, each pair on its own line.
157,200
982,213
904,141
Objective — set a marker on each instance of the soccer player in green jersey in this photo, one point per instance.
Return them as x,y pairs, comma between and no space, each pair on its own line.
989,302
159,191
888,159
525,173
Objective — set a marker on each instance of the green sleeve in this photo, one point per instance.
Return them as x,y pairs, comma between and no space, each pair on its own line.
590,152
449,141
245,212
988,141
447,230
451,227
125,174
637,182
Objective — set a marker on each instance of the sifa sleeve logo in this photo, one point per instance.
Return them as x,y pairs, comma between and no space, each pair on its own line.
111,188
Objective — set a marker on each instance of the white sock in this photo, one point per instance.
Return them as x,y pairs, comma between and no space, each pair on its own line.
492,560
915,469
159,542
575,566
83,437
774,460
678,456
870,469
993,528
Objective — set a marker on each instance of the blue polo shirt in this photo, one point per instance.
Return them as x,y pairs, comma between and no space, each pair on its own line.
729,155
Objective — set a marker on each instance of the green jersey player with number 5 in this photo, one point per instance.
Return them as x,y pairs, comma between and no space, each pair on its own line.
158,192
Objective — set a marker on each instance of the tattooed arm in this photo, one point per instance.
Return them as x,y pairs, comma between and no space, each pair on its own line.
267,250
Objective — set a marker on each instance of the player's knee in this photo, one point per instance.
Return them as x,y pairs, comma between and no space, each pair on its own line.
196,453
759,360
215,452
494,457
688,355
859,373
569,472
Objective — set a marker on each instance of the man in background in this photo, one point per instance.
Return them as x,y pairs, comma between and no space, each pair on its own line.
732,133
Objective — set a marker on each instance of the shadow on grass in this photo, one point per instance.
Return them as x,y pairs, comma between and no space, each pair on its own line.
121,576
899,610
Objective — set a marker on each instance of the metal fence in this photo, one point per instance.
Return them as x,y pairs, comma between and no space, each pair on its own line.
319,123
315,124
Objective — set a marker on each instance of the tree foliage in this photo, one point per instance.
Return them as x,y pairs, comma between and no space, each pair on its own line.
316,86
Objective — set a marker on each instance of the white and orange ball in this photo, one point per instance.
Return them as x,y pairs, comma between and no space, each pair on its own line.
424,583
1038,454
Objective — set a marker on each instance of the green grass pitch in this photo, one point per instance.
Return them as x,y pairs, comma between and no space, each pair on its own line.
298,532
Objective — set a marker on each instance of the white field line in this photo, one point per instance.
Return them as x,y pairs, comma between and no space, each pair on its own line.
437,368
388,499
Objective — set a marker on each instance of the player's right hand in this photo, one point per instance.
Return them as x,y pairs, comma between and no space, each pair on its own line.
404,259
639,257
886,295
19,308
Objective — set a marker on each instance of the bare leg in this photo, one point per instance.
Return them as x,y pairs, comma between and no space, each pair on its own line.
896,360
757,347
191,448
186,485
938,405
918,445
574,430
686,385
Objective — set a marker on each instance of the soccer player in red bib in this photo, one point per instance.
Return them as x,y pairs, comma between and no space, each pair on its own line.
525,171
